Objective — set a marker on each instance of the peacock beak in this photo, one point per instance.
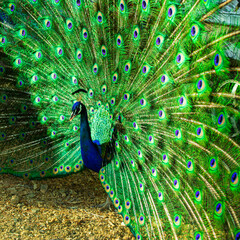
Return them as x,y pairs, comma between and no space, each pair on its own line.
72,116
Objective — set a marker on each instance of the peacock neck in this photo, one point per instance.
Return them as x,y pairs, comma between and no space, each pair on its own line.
90,153
85,132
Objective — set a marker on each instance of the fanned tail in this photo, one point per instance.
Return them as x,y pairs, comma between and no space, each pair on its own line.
166,72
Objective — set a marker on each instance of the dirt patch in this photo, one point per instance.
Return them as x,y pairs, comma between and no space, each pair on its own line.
57,209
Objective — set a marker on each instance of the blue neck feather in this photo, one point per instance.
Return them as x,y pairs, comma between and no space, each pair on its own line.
90,153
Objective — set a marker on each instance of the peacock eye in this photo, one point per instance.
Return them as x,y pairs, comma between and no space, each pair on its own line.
85,34
218,61
122,6
78,2
144,4
100,17
159,41
47,24
11,7
95,69
171,12
79,55
69,24
119,41
136,33
194,32
104,51
180,59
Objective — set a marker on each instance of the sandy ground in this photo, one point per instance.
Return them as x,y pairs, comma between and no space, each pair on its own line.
57,209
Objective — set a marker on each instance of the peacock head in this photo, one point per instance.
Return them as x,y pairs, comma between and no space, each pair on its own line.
77,106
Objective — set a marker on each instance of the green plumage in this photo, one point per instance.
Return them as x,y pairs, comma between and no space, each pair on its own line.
163,88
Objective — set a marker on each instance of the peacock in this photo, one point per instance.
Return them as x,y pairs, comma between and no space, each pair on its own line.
144,92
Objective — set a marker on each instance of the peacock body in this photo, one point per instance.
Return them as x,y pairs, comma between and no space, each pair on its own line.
160,117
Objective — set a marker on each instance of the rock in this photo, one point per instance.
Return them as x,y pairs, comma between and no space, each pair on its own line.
64,194
12,190
43,188
31,195
35,186
15,199
35,210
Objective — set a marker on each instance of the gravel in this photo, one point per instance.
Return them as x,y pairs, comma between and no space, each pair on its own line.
57,209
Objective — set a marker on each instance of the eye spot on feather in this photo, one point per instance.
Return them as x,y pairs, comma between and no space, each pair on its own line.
141,220
99,17
237,236
163,78
190,166
22,32
165,158
180,58
219,209
200,85
59,51
116,202
127,67
115,77
55,170
11,7
79,55
194,32
198,236
198,195
150,139
37,100
62,118
78,2
68,169
171,12
69,24
159,41
139,153
177,220
4,98
141,187
143,102
234,179
161,114
176,184
111,194
3,40
136,33
213,163
127,219
112,101
139,237
177,133
90,93
85,34
200,132
95,69
182,102
221,120
120,209
218,61
160,196
2,136
119,41
42,173
122,6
